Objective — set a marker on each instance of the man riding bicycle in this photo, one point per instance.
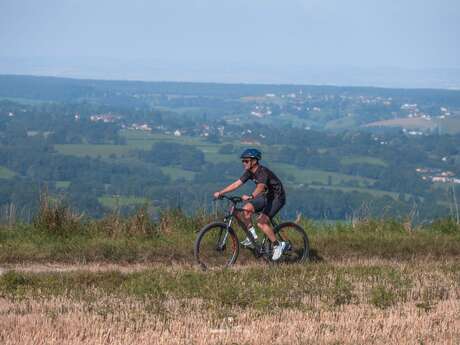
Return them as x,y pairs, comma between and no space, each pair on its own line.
267,198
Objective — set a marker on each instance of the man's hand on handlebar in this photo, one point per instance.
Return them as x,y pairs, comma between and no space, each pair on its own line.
247,197
234,199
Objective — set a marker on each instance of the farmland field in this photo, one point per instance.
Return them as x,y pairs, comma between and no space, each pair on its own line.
410,123
114,202
177,173
6,173
345,302
144,141
131,281
62,184
449,125
309,176
92,150
363,160
293,176
374,192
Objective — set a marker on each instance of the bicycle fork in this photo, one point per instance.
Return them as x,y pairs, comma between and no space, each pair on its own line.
223,235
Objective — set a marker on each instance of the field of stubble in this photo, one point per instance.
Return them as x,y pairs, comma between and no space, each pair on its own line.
355,302
130,281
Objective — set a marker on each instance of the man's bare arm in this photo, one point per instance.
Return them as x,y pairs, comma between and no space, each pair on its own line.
231,187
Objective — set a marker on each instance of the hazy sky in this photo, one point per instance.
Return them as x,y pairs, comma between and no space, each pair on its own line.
331,33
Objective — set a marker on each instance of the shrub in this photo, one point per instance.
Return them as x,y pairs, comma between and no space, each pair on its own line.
139,224
56,217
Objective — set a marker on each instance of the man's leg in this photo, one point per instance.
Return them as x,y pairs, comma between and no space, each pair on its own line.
272,208
244,217
278,247
265,225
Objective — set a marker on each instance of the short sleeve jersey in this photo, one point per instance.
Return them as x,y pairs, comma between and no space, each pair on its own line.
268,178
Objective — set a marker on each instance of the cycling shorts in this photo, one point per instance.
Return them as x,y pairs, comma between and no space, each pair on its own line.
268,206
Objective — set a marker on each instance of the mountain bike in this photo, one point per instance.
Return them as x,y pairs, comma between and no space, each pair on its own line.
217,244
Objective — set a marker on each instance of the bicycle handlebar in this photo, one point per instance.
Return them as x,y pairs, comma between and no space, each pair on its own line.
234,199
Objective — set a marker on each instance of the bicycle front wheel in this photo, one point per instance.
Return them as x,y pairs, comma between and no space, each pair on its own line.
216,246
298,247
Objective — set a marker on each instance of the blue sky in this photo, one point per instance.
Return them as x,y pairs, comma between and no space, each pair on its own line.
288,35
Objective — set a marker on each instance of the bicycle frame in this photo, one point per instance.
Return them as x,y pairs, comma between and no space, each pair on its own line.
259,249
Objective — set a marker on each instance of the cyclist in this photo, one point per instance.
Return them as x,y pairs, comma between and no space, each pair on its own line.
267,198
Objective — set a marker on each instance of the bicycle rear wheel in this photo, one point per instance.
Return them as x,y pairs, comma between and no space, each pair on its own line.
298,247
216,246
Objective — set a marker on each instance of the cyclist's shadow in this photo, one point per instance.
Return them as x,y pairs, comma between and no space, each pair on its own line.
314,256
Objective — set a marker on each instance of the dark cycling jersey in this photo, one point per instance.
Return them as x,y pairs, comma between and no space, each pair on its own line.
267,177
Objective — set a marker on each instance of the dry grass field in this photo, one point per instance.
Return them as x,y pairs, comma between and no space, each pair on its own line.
406,122
344,302
65,280
62,321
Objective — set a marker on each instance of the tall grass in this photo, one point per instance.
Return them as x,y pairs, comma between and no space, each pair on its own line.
60,234
56,217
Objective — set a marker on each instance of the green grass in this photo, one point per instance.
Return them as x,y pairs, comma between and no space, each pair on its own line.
349,160
383,239
62,184
6,173
146,139
178,173
308,176
114,202
284,118
59,236
373,192
92,150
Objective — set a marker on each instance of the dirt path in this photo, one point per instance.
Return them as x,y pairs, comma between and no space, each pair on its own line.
138,267
92,267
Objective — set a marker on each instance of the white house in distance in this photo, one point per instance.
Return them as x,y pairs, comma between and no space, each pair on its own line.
106,118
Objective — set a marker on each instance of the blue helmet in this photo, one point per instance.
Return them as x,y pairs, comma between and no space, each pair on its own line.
252,153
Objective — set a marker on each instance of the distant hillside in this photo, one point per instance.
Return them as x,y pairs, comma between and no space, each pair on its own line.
52,88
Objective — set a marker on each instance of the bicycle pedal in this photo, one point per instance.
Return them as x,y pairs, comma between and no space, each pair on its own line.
246,243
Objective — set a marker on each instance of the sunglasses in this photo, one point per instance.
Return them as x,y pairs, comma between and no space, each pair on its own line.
245,161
